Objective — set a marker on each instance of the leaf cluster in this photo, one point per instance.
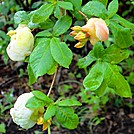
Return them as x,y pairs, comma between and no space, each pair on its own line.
105,73
61,109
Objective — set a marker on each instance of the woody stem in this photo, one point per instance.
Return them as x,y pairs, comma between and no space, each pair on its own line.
83,15
50,89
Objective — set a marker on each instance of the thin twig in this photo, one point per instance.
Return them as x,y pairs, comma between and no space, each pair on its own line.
83,15
50,89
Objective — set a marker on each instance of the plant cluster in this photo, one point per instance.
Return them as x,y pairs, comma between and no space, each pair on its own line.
109,34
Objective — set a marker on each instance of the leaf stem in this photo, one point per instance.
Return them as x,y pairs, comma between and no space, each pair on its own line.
83,15
49,131
50,89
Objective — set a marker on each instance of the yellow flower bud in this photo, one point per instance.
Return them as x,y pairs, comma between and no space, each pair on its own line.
80,36
78,45
11,33
76,28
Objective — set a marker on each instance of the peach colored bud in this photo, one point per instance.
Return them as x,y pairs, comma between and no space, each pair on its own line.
76,28
97,29
85,29
80,36
102,31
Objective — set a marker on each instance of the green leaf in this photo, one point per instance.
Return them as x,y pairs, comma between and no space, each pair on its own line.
123,22
95,77
131,78
3,35
112,8
66,117
48,24
95,8
60,52
102,88
57,12
44,33
34,103
41,60
50,112
62,25
43,13
123,38
42,96
115,55
65,5
76,3
87,60
21,17
117,81
93,55
32,25
2,128
69,102
53,69
32,78
98,50
103,1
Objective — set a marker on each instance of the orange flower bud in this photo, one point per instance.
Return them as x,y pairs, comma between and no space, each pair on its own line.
41,121
46,124
73,33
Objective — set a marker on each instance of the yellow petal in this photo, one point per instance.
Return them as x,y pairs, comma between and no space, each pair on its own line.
40,121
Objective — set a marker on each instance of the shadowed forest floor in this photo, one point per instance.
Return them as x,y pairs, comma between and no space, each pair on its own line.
118,119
